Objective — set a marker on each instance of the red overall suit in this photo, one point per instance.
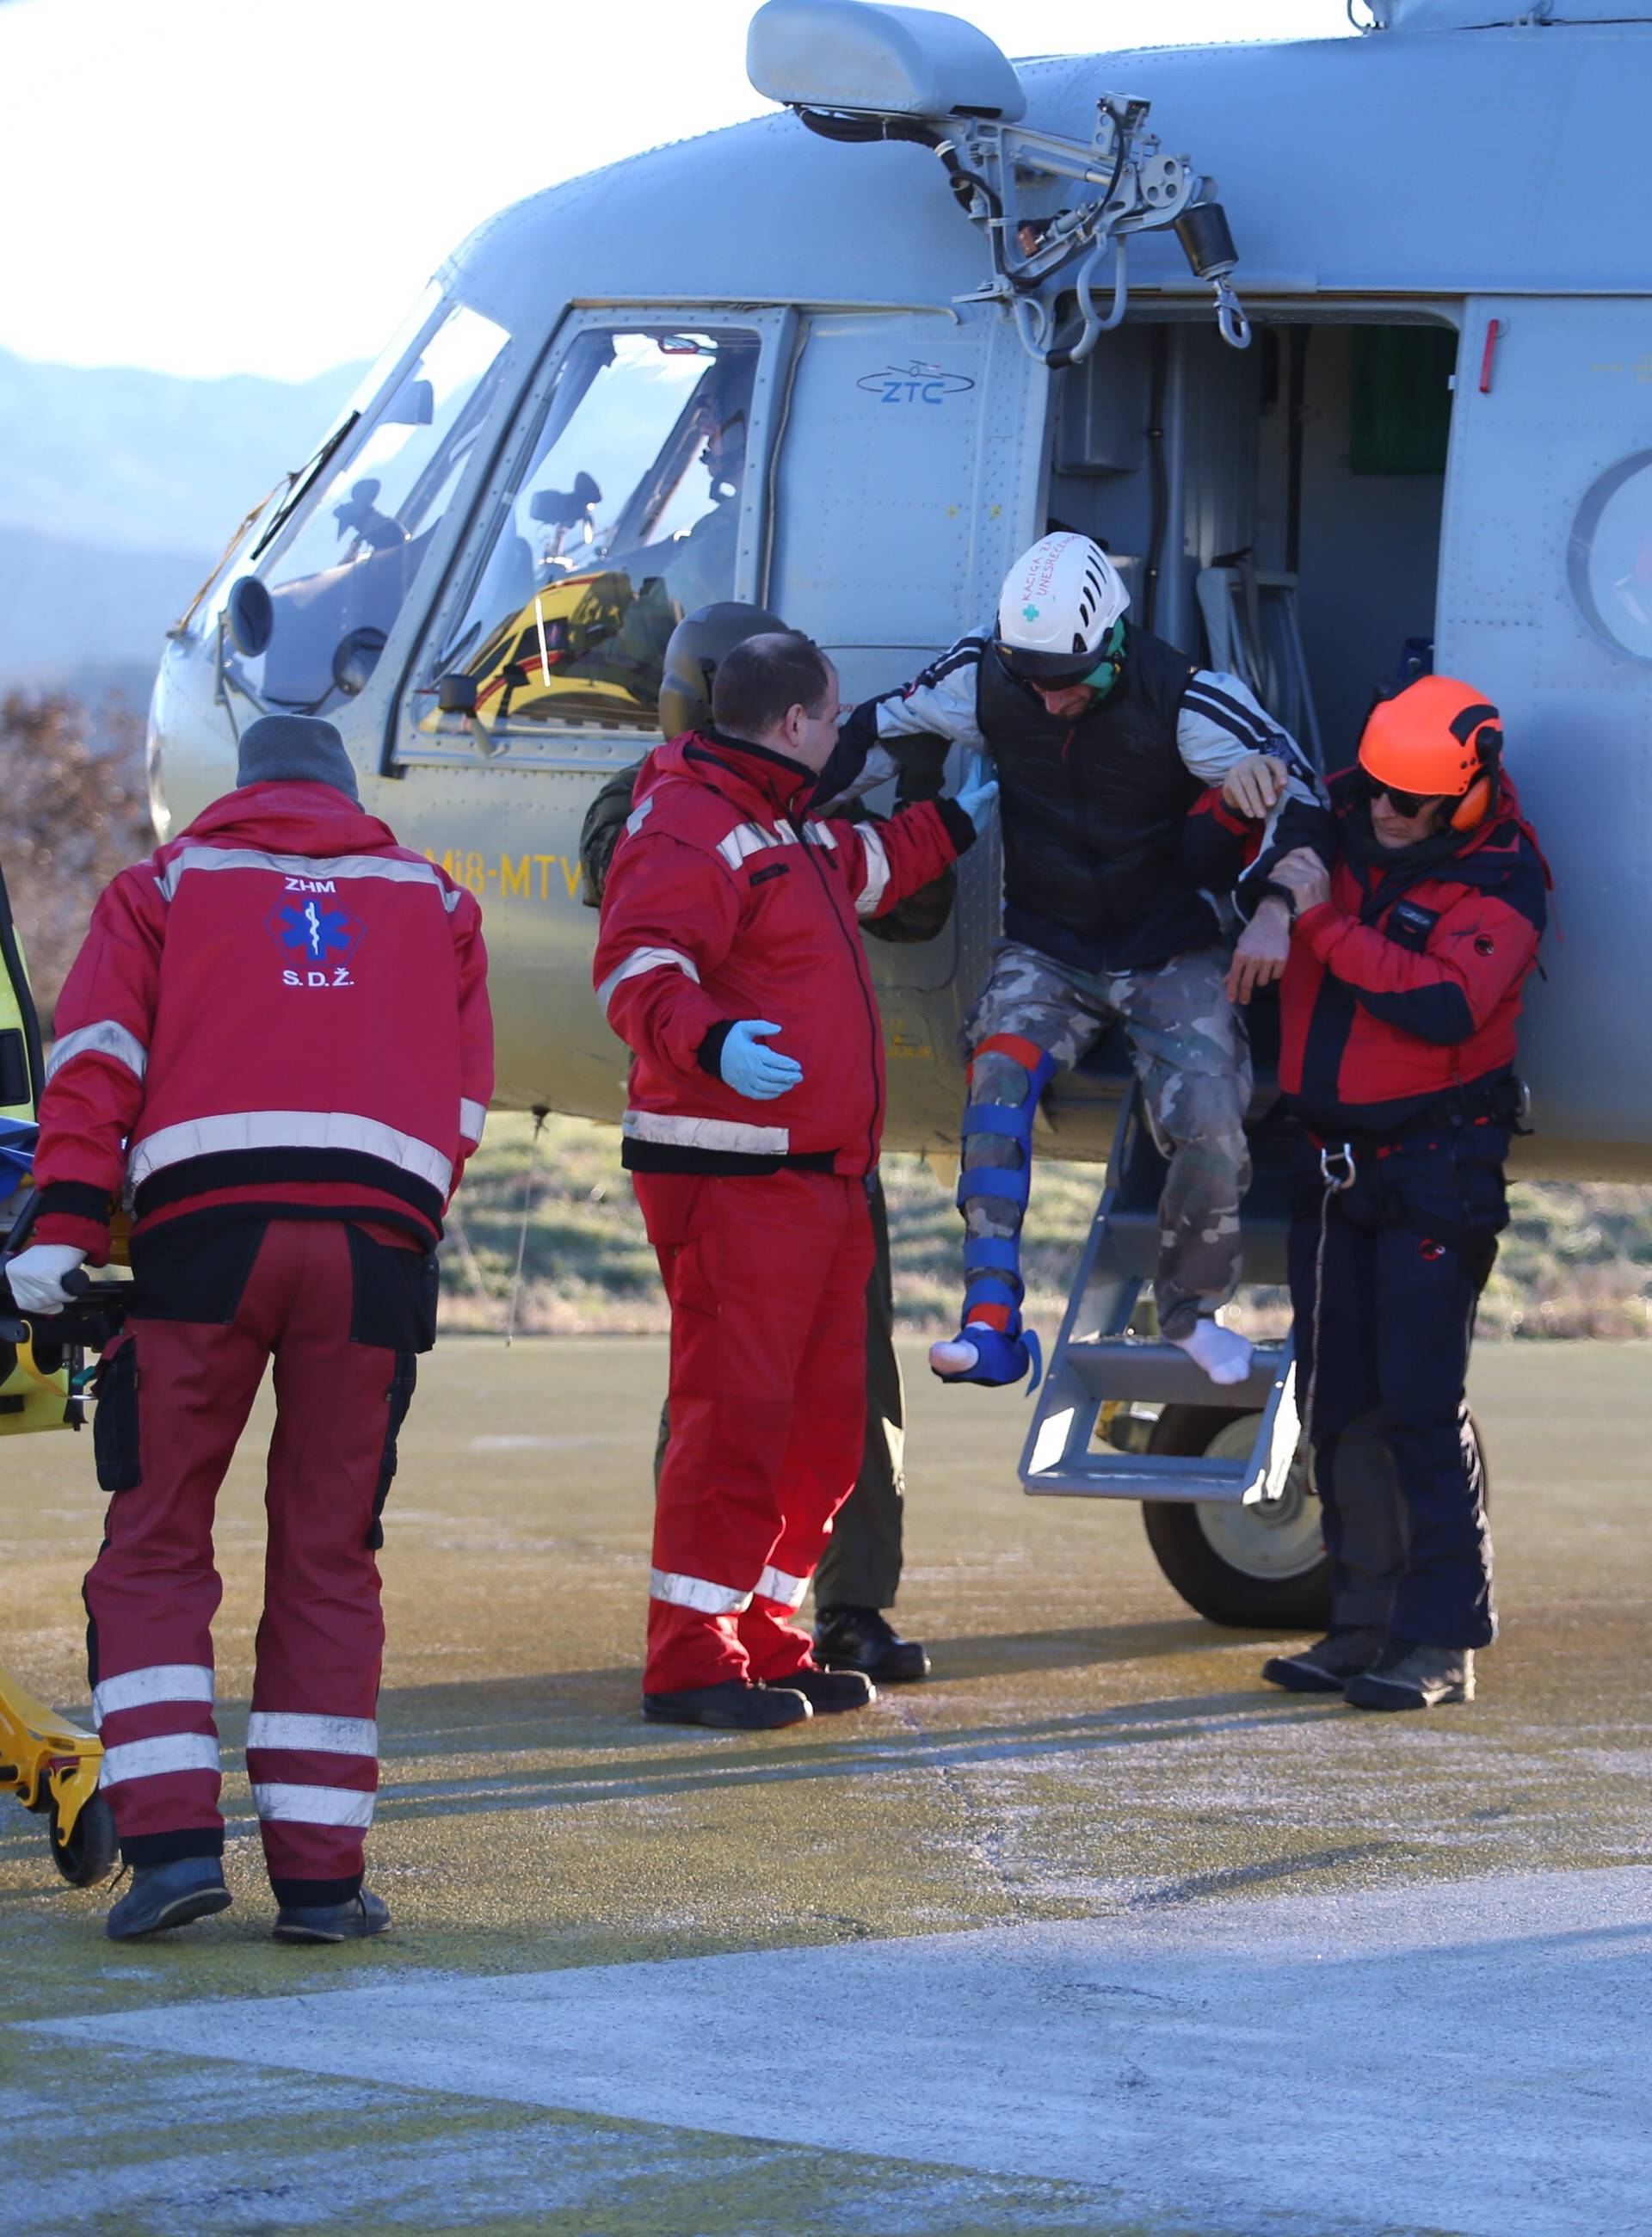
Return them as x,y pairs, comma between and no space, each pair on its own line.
276,1040
722,904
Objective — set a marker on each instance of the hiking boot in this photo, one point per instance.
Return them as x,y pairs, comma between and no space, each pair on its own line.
829,1691
364,1914
164,1896
1346,1649
862,1638
1408,1675
735,1705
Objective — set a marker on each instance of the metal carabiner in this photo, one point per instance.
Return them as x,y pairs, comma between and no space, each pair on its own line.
1336,1167
1232,323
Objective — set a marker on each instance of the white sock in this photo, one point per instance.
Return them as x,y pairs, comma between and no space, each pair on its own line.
1223,1353
954,1354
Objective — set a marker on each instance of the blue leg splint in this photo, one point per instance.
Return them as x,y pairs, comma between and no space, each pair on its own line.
992,1263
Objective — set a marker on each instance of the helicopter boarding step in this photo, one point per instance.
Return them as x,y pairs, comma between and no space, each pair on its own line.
1098,1363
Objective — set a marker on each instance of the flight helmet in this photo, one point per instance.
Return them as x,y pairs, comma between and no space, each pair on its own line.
698,643
1436,739
1061,615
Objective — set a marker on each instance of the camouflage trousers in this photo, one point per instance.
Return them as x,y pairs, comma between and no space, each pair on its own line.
1193,1061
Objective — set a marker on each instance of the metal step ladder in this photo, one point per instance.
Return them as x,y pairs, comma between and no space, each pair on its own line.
1097,1362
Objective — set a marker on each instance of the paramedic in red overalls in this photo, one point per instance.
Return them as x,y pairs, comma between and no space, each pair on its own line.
729,960
277,1039
1407,962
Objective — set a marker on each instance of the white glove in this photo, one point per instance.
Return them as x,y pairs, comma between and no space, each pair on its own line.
35,1276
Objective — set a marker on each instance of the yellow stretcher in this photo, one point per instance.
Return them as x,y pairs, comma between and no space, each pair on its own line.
51,1766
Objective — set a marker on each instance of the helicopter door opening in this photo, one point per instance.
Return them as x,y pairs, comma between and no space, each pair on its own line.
1277,514
627,495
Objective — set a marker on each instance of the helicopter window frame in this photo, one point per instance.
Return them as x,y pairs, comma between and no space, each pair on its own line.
421,734
441,467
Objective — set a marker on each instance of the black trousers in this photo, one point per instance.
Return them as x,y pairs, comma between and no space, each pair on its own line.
1408,1250
861,1567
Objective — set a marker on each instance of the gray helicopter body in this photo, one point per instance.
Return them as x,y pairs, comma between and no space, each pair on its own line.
1437,445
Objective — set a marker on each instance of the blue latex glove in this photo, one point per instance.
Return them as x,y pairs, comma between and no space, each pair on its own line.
978,791
752,1070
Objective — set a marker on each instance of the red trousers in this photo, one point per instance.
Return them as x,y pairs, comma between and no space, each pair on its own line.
174,1397
767,1280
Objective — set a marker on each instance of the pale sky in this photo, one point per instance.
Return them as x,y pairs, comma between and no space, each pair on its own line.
264,186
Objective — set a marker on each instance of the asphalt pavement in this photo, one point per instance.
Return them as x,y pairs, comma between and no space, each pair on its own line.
1092,1932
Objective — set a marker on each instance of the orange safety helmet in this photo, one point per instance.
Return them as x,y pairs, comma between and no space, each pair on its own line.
1437,738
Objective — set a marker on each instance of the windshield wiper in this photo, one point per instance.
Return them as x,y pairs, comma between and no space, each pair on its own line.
304,479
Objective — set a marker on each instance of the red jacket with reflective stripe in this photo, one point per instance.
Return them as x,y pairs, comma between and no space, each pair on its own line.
722,903
1408,981
281,1010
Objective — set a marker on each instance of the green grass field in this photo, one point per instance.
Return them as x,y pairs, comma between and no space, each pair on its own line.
1576,1261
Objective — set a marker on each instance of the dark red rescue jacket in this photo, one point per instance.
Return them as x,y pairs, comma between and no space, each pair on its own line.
281,1011
1406,985
724,902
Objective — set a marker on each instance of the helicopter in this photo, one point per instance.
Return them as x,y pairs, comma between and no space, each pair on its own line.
846,361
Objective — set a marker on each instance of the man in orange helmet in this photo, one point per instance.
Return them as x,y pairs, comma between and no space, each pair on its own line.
1404,923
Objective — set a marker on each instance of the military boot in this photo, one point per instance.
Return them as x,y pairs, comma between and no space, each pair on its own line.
1346,1649
863,1638
1408,1675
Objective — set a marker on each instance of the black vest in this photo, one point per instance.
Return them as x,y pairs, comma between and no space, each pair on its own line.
1092,811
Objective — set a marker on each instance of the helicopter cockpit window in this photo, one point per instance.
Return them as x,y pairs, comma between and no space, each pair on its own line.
1609,560
622,516
337,583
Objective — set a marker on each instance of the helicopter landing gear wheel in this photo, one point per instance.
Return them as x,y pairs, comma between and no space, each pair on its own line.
87,1856
1258,1568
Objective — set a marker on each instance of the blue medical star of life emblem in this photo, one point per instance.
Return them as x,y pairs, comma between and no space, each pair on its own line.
315,930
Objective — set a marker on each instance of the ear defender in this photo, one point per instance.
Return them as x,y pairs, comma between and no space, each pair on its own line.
1487,740
1108,670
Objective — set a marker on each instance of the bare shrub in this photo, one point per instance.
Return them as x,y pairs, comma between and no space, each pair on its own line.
75,812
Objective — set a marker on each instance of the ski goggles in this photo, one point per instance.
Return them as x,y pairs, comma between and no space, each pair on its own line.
1059,671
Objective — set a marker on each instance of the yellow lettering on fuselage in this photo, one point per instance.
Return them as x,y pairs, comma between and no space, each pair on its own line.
513,878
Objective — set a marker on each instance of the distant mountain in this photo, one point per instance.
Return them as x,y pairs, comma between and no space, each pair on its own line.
118,489
75,615
147,461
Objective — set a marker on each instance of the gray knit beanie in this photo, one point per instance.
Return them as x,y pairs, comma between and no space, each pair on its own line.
295,750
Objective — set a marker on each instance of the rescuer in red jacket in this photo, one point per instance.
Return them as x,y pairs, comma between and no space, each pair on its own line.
276,1042
1411,917
729,962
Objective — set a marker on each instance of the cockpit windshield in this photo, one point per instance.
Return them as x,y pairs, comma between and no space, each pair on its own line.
338,579
623,515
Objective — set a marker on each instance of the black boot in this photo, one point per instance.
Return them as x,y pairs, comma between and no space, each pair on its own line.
829,1692
364,1913
1346,1649
1408,1675
163,1896
862,1638
733,1707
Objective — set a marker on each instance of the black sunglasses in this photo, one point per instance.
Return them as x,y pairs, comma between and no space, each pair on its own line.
1403,803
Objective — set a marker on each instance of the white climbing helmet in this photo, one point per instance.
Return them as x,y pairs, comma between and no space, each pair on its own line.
1058,609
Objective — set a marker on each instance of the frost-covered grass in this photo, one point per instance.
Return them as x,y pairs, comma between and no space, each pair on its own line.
1576,1261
